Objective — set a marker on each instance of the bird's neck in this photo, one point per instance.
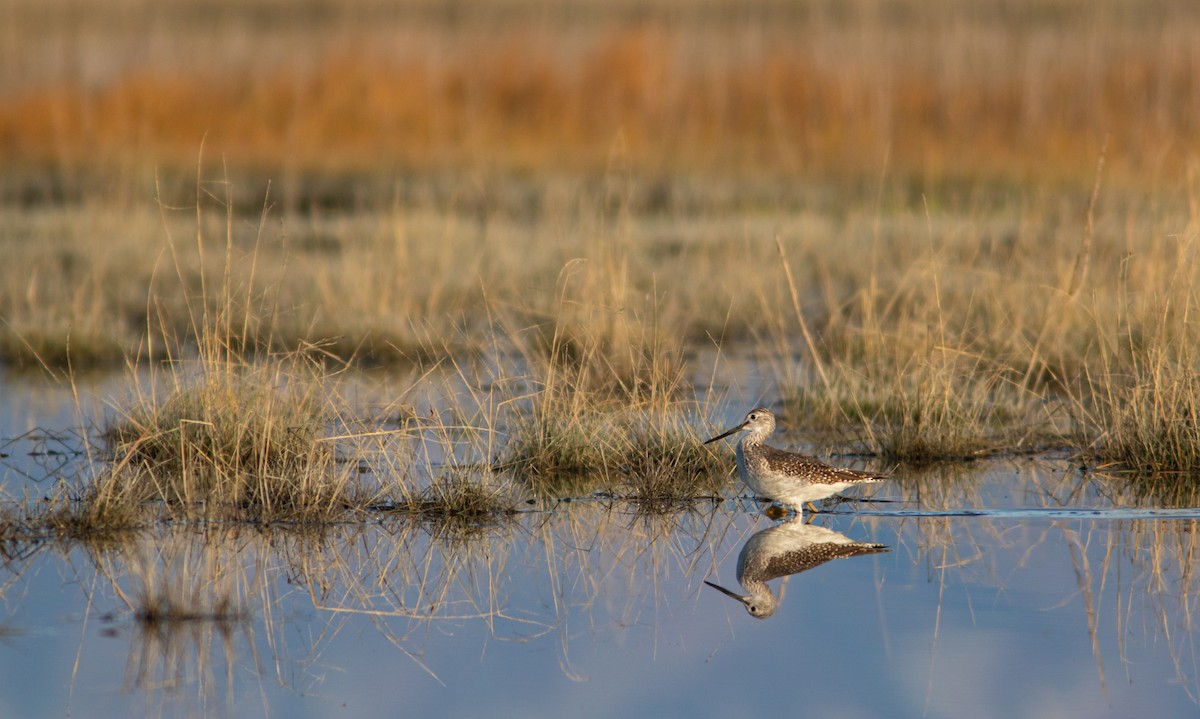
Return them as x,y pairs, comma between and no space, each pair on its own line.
753,439
757,588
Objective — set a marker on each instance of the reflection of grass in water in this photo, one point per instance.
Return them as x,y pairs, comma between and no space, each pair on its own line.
1150,563
1147,563
620,562
1162,490
585,551
193,596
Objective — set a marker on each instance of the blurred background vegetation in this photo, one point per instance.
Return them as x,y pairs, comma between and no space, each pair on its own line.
312,94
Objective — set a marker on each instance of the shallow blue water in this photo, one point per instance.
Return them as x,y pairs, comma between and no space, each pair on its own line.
602,612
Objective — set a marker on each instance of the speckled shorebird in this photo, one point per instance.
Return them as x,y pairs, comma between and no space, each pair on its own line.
787,548
790,478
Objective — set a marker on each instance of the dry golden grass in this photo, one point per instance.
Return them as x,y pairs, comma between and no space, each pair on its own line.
242,440
1139,409
941,330
259,436
605,405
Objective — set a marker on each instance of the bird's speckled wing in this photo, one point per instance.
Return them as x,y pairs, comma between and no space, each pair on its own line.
812,470
803,559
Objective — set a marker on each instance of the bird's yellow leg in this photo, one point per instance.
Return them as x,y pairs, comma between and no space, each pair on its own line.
775,512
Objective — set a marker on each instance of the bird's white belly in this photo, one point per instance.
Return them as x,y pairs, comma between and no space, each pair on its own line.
784,488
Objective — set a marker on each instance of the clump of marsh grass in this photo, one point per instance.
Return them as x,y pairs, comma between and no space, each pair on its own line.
224,434
664,460
598,405
1139,407
1149,420
921,373
590,423
632,451
458,494
94,516
460,505
244,439
20,533
558,445
924,411
75,514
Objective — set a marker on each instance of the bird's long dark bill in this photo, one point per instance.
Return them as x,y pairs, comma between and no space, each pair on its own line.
726,592
723,435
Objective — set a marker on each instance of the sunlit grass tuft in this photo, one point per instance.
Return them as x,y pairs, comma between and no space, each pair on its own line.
1149,421
631,451
606,414
244,440
663,459
924,412
1138,403
462,495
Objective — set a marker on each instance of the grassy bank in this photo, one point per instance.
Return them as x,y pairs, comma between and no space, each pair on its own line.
926,332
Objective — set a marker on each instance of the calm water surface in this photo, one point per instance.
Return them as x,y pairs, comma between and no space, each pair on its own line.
1011,588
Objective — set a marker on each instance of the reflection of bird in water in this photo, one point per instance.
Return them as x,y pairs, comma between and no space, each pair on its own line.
789,478
785,549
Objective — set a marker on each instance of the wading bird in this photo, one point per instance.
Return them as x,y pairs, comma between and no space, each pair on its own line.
790,478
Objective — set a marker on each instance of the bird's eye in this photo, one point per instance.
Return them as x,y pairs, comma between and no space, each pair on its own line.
753,416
